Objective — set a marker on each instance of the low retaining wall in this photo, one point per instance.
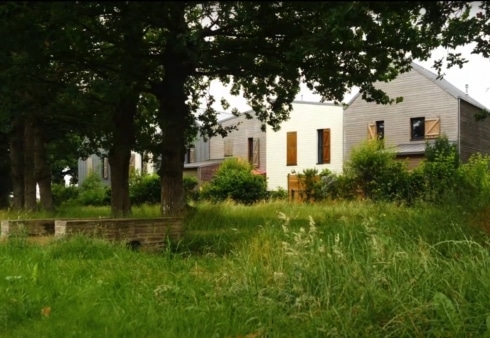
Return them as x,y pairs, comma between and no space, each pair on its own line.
27,227
148,233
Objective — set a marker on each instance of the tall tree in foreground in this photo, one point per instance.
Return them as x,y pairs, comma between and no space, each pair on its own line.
266,49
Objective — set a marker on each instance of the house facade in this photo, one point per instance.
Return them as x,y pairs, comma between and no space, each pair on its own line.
430,108
100,166
310,139
247,142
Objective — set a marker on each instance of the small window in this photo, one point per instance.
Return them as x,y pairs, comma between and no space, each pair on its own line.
380,130
292,149
323,146
417,125
253,152
190,155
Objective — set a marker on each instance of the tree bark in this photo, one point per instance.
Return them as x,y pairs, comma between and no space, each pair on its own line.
42,170
30,201
172,121
5,176
120,154
16,145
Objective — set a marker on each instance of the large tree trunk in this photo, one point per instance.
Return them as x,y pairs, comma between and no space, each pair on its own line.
5,183
30,202
16,145
120,154
42,170
173,112
119,162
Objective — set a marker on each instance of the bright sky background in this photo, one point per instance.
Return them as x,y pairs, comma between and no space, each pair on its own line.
475,74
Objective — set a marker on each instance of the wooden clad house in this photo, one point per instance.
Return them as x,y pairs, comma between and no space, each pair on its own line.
431,107
247,142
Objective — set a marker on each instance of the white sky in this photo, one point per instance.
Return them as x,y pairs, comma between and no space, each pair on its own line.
475,74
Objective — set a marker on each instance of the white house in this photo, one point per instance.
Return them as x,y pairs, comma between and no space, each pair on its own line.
312,138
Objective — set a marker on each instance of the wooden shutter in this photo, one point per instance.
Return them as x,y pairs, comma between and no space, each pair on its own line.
228,145
326,145
291,148
372,131
432,127
256,154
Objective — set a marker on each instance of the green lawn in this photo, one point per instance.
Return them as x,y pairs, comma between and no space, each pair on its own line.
269,270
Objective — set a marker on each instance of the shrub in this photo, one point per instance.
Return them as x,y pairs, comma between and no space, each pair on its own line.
280,194
234,180
474,181
93,192
440,170
190,188
144,189
63,194
377,174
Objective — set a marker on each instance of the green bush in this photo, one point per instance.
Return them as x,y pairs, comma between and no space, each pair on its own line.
190,188
63,194
234,180
474,181
93,192
280,194
377,175
144,189
440,170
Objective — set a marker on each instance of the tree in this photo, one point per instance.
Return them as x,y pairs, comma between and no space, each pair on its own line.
266,49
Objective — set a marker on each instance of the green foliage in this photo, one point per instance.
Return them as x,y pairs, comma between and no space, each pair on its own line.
93,192
64,194
378,175
144,189
473,186
234,180
263,270
190,188
280,194
310,185
440,170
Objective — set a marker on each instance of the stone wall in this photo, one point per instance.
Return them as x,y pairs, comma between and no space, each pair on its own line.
149,234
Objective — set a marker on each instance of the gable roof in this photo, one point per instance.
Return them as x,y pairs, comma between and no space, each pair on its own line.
441,83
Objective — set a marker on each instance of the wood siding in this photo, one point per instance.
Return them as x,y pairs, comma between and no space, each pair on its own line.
475,135
238,140
421,98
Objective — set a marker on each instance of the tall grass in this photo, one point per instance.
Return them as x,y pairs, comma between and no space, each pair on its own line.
270,270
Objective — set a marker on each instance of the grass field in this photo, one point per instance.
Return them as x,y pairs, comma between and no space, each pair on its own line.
270,270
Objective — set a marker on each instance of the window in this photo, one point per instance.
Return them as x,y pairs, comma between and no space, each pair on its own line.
292,148
380,130
323,146
417,125
190,155
228,147
376,130
422,128
253,151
